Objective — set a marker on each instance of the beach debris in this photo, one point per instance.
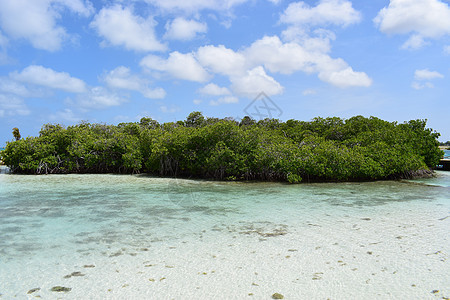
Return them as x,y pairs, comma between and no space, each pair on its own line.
33,290
74,274
442,219
60,289
263,231
118,253
250,294
366,219
88,266
435,291
151,279
369,252
317,276
277,296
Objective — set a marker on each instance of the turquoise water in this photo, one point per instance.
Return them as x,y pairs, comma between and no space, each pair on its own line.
52,226
446,153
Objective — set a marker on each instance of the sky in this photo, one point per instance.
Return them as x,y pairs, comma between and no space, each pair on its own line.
112,61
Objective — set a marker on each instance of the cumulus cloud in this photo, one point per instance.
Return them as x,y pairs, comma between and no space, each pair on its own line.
423,77
36,21
279,57
120,27
249,65
172,109
419,86
177,65
254,82
421,19
99,98
224,100
286,58
308,92
426,74
327,12
221,60
65,115
195,5
47,77
184,30
447,50
346,78
8,86
12,106
122,78
213,89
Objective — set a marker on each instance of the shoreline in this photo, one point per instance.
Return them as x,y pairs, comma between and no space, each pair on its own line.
418,174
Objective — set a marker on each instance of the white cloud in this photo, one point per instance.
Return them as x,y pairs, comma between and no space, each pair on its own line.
11,106
224,100
426,74
120,27
308,92
36,21
197,101
327,12
221,60
422,79
46,77
214,90
99,98
82,7
287,58
255,82
177,65
346,78
279,57
422,19
184,30
414,42
193,6
249,64
419,86
172,109
8,86
447,50
65,115
121,78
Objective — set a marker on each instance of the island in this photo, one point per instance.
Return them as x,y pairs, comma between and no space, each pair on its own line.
323,149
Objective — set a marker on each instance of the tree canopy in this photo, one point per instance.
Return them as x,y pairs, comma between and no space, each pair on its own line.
324,149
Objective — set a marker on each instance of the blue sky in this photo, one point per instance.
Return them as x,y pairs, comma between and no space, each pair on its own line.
112,61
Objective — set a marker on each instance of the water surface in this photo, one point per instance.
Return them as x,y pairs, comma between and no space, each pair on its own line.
105,225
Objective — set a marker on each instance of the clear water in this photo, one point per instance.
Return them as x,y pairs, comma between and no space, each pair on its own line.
52,226
446,153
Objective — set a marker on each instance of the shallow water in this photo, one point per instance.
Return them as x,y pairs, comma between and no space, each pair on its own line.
110,228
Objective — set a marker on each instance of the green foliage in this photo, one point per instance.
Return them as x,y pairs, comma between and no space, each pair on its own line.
16,133
325,149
